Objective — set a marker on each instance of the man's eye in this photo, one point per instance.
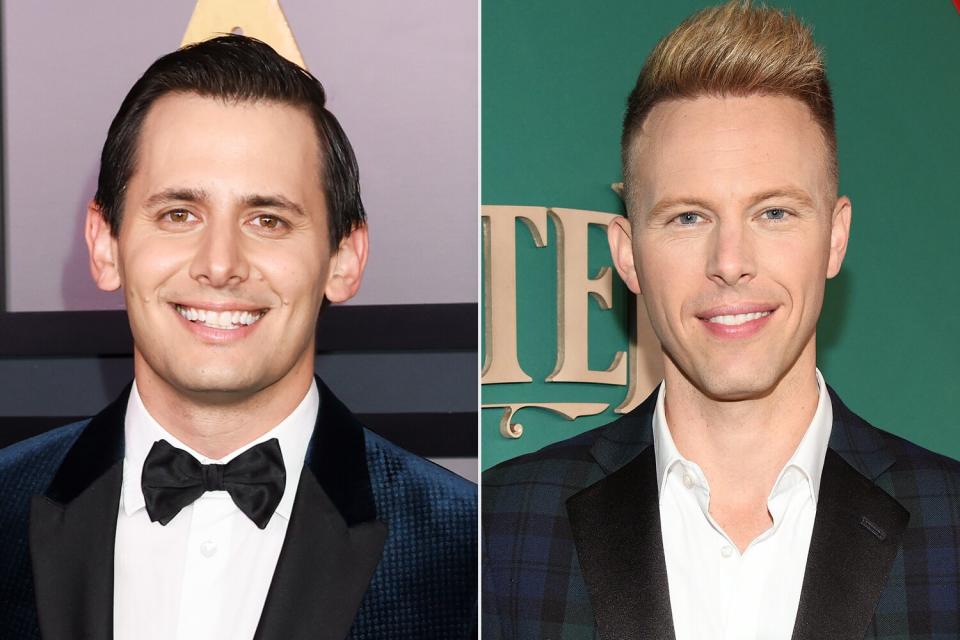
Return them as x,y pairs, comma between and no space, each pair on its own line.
775,214
179,216
688,219
268,222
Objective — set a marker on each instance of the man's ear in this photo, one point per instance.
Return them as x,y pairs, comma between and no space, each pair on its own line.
619,235
103,249
346,266
839,234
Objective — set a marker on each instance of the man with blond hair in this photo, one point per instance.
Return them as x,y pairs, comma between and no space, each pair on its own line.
742,499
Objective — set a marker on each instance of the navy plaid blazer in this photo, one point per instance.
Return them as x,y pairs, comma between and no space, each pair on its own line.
572,546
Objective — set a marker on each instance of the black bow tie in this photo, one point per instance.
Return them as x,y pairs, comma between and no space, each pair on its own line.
172,479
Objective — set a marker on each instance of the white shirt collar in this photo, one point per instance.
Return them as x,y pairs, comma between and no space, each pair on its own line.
141,430
807,458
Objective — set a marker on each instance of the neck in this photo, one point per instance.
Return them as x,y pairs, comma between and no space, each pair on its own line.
215,424
742,445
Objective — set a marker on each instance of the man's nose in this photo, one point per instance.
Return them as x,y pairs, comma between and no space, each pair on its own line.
731,257
220,259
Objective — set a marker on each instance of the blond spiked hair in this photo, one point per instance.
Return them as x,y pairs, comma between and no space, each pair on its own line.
735,49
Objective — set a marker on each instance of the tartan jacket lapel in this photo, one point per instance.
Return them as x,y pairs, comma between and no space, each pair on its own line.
857,533
616,530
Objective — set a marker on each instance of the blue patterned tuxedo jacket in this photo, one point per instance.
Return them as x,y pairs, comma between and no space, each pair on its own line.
380,544
572,546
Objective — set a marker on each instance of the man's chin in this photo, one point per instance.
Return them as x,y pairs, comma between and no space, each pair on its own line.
737,392
735,383
217,386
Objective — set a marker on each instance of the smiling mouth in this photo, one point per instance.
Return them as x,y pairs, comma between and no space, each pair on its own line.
738,318
226,319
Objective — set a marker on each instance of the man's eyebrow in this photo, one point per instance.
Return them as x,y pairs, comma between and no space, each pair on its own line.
793,193
273,201
672,203
176,195
186,194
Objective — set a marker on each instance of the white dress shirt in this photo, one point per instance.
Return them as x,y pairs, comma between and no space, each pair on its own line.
715,591
207,572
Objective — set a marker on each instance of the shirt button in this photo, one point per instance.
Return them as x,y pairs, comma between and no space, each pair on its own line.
208,549
687,481
727,551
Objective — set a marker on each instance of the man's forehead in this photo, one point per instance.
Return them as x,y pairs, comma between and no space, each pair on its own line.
726,144
169,109
203,134
679,124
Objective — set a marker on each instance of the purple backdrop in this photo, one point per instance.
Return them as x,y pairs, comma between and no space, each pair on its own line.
401,77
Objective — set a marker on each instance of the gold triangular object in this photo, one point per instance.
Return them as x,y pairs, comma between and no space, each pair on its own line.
261,19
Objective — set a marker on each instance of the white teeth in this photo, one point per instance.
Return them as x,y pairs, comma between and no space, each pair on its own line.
220,319
739,318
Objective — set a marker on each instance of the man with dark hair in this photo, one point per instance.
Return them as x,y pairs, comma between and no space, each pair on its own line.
742,499
227,493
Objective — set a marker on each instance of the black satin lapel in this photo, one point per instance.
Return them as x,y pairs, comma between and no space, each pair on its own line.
323,570
333,543
616,529
97,449
71,548
856,534
73,527
337,455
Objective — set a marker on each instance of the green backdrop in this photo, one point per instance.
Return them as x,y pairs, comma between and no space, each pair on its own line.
555,76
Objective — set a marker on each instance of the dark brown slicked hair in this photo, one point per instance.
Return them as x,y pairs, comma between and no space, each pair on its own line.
734,49
232,68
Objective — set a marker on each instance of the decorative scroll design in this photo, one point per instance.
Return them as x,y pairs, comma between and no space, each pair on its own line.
569,410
